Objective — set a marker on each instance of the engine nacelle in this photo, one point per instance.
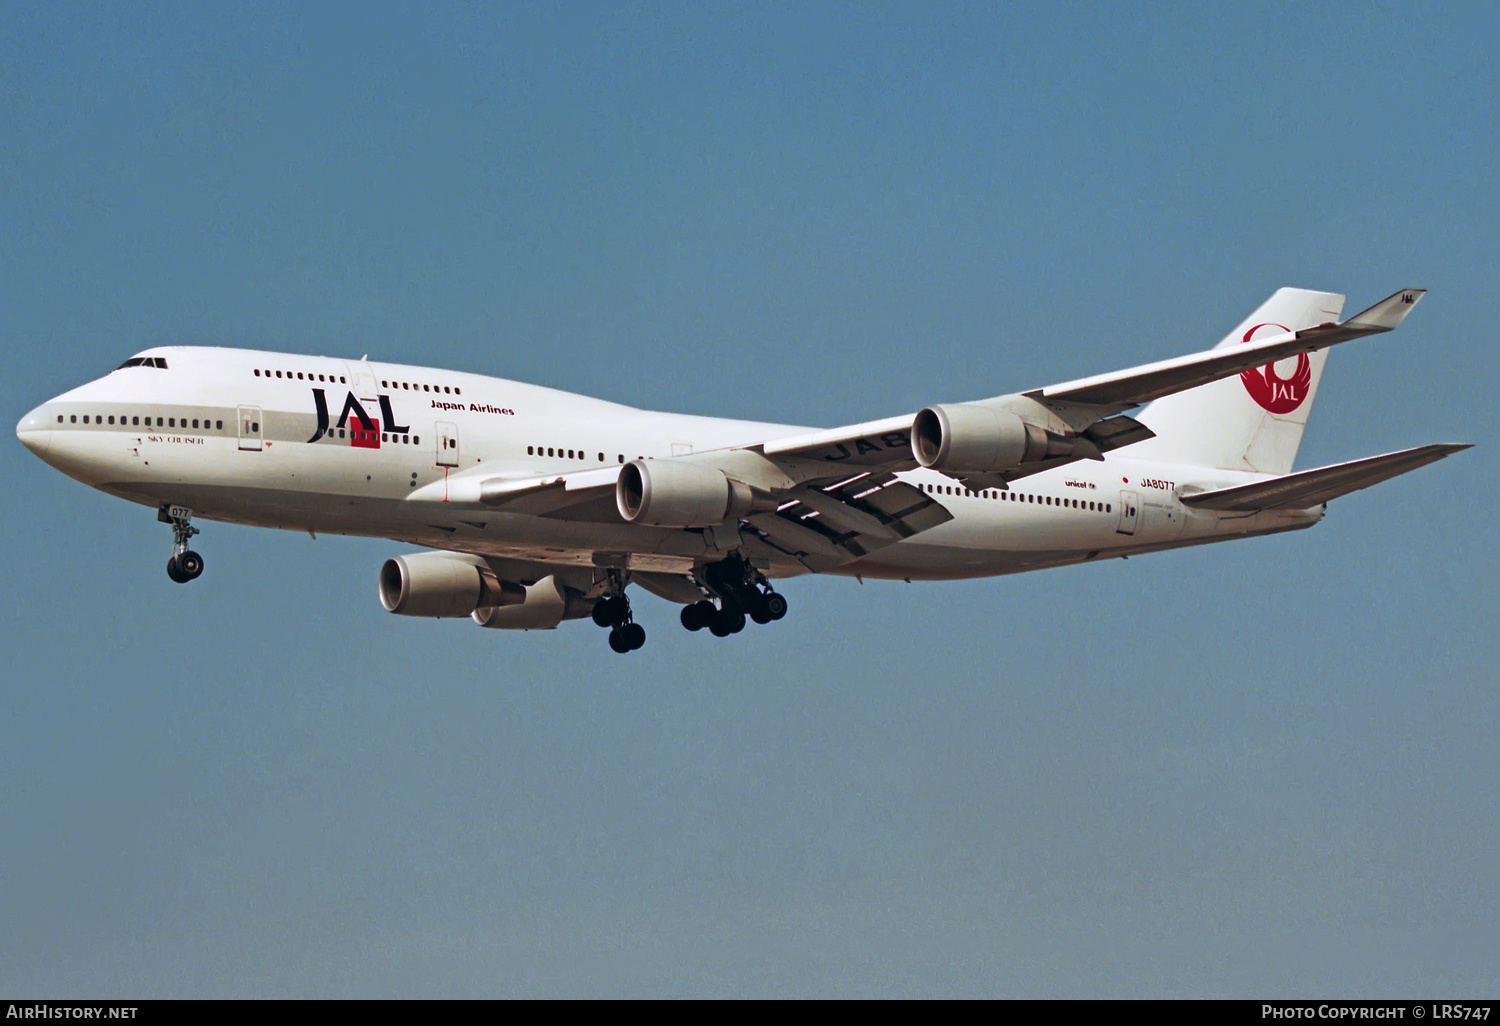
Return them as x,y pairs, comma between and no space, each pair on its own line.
968,438
443,584
675,493
547,603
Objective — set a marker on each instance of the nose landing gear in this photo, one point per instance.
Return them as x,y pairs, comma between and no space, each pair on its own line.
185,564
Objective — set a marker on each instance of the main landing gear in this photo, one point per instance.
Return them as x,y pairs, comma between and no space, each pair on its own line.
742,591
613,611
185,564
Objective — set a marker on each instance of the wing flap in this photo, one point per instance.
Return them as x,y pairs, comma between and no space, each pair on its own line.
1308,488
826,527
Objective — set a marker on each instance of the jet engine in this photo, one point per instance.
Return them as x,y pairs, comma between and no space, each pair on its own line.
675,493
443,584
969,438
547,603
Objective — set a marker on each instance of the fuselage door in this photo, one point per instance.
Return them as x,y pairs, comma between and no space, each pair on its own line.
249,421
1130,509
447,444
361,379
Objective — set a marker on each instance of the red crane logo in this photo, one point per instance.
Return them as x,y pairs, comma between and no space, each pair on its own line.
1274,393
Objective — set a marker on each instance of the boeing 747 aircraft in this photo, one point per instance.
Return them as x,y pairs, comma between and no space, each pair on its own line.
543,506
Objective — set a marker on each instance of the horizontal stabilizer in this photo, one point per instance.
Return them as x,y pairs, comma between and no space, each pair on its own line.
1311,487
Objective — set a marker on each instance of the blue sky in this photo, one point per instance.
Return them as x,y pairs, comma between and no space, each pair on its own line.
1260,768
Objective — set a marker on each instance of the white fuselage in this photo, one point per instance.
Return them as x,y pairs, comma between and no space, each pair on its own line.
276,440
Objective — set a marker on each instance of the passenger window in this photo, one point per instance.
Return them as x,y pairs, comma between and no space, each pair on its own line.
74,418
415,439
621,457
426,389
59,418
219,425
549,450
458,391
195,421
528,451
257,372
171,422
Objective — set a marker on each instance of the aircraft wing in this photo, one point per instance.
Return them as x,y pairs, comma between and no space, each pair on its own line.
821,519
876,443
1308,488
1138,385
1086,408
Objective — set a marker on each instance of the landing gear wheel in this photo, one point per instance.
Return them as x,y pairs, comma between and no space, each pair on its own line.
627,637
698,615
189,565
775,606
173,572
611,611
727,622
759,613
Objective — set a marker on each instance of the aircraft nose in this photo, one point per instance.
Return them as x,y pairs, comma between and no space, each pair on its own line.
34,431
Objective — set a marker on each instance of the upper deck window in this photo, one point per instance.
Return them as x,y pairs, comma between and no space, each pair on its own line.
144,361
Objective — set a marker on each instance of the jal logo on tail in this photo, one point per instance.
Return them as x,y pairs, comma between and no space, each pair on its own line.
1274,393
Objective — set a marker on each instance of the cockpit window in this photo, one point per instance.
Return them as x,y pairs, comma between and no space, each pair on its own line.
144,361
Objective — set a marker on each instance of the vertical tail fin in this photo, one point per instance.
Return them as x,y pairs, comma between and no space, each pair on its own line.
1251,421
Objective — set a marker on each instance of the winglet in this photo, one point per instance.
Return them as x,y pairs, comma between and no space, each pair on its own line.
1387,313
